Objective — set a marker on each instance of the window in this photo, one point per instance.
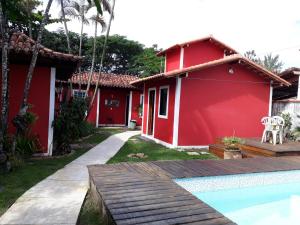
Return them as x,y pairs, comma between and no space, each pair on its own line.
79,93
141,105
163,102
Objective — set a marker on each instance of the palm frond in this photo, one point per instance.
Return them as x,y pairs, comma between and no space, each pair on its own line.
98,6
73,4
99,19
106,6
71,12
85,21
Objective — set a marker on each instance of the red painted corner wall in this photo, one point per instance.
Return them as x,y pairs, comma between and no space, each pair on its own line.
163,128
173,59
39,98
201,52
216,104
136,96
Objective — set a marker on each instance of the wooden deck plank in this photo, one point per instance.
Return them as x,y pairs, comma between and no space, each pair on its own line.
144,193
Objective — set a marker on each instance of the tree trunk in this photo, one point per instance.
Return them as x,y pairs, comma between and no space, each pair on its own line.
24,104
103,54
5,78
65,25
80,41
29,23
93,58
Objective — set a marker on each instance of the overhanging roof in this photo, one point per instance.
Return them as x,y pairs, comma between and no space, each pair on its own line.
228,59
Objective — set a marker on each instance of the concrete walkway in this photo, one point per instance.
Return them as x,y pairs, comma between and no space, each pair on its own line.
57,200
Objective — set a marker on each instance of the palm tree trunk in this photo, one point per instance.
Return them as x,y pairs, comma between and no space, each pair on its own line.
29,23
93,58
103,53
24,104
5,76
65,25
80,41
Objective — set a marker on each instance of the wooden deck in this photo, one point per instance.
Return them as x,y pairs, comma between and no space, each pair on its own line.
253,148
144,193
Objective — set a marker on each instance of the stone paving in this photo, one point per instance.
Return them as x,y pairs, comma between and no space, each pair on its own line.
57,200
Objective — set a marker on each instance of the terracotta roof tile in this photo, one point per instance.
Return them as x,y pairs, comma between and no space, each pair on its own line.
106,79
20,43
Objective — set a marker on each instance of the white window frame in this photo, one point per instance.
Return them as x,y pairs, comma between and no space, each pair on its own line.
141,103
74,90
167,109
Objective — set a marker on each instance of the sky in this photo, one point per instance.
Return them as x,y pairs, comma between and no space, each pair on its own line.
266,26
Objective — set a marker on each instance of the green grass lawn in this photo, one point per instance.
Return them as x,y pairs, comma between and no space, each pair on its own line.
153,152
15,183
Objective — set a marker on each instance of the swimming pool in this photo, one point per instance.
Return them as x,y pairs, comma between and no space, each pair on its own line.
251,199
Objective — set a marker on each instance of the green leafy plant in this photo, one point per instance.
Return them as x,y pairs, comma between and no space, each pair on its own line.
232,143
287,124
69,124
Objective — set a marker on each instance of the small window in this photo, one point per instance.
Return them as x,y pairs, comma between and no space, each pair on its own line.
112,103
163,102
79,94
141,105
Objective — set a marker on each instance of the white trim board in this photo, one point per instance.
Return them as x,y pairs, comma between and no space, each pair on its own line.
51,110
129,107
181,58
176,111
98,105
151,89
270,99
143,115
167,104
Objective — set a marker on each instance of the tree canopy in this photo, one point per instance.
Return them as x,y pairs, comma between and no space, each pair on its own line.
123,56
269,61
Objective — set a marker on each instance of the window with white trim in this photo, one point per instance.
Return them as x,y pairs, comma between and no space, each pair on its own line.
79,94
163,102
141,105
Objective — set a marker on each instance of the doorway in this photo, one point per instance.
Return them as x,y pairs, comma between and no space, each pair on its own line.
151,111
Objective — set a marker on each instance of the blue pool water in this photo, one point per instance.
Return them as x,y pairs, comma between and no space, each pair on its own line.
275,204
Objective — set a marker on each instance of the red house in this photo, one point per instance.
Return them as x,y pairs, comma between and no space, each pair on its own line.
51,65
117,101
207,91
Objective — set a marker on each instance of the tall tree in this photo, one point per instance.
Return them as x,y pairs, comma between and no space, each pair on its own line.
62,4
103,51
270,62
4,70
97,19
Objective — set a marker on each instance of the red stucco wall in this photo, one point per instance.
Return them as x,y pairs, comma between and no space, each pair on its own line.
39,98
136,95
163,128
201,52
216,104
173,59
92,117
112,115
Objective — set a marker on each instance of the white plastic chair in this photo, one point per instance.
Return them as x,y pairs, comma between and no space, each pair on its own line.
273,125
267,122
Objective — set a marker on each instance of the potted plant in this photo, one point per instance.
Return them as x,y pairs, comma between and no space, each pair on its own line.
232,147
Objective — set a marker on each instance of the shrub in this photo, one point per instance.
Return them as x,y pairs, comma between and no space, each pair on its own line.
69,124
232,143
86,129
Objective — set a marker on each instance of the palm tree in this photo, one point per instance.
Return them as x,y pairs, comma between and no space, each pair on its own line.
103,51
272,63
97,19
62,4
78,10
